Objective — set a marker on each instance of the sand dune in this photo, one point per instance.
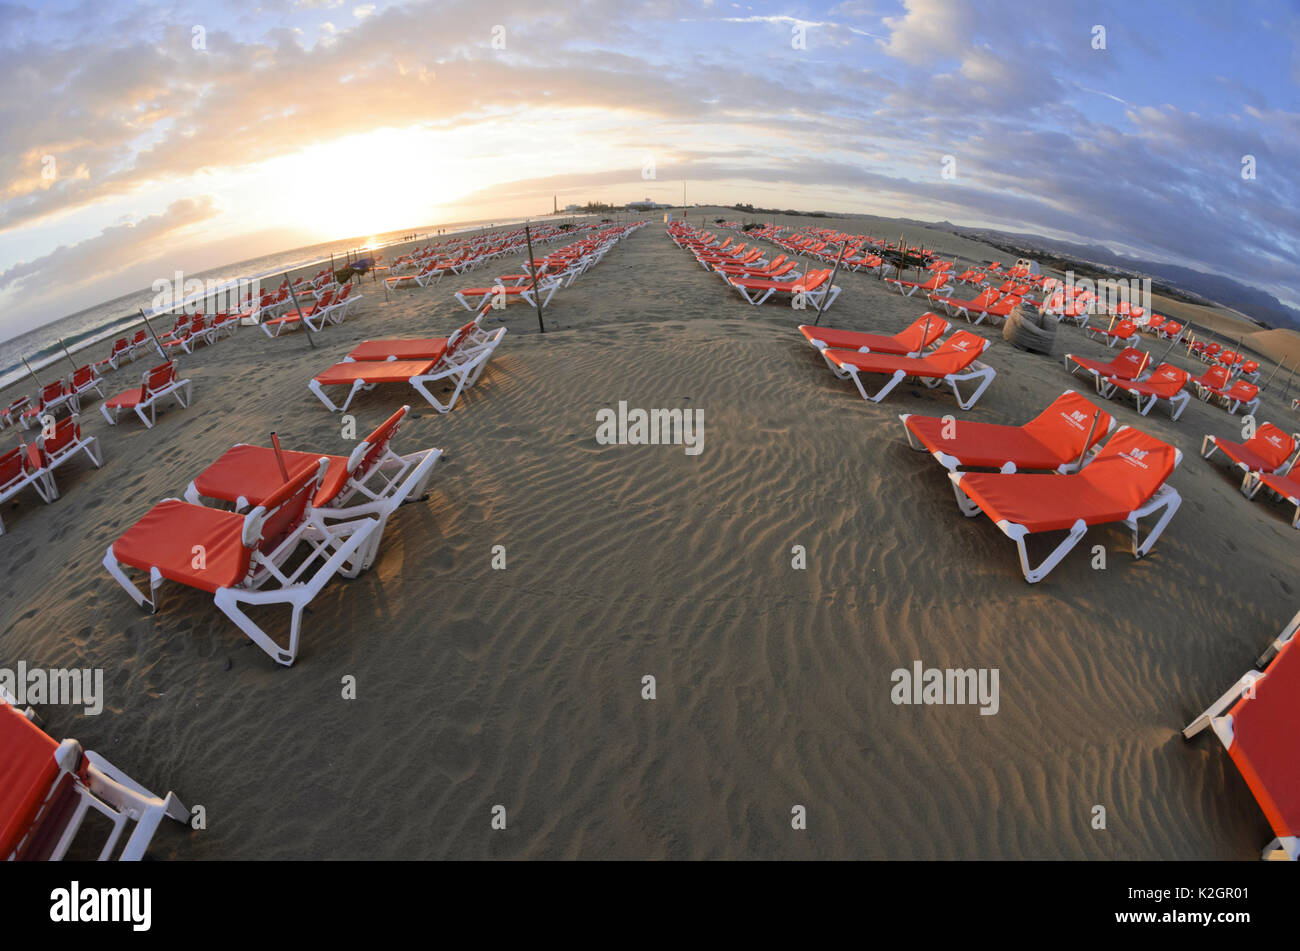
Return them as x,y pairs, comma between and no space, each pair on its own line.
522,687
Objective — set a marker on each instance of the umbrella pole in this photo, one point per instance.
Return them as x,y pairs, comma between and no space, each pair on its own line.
33,373
532,266
156,342
303,320
829,284
67,354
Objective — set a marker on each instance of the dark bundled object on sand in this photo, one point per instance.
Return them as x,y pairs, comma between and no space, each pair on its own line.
1027,328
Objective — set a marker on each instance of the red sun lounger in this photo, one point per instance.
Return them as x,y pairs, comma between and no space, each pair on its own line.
373,480
1234,397
20,468
1124,330
461,362
909,342
154,385
1123,483
1125,366
814,286
1166,383
937,284
1286,487
63,444
474,298
1269,450
953,362
962,308
247,559
48,787
1054,440
1258,722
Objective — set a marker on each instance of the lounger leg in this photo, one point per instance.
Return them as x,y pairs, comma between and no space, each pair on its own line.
1223,703
320,395
1285,849
298,596
1166,498
985,376
884,391
1018,533
155,580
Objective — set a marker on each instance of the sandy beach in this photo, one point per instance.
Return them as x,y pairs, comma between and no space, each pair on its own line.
522,687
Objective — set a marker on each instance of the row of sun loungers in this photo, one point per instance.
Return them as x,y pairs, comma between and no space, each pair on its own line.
756,279
1071,468
560,268
1124,373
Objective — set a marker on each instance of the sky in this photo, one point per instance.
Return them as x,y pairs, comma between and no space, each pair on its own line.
137,138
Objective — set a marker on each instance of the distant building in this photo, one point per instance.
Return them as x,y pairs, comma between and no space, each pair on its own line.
646,205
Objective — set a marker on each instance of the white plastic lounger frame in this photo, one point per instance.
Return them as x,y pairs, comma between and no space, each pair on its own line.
1166,497
332,547
546,285
181,389
978,370
392,482
465,367
118,798
87,444
1177,403
38,479
1280,848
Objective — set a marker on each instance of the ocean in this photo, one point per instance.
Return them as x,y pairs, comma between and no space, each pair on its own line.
87,329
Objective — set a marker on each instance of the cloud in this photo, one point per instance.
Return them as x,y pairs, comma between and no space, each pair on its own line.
83,263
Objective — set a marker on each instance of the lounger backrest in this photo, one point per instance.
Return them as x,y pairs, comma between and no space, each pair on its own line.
51,391
1215,377
367,455
1266,732
1243,391
459,337
28,773
119,345
815,279
1131,467
957,352
13,466
66,432
1128,361
1168,377
1250,366
1271,444
82,376
159,377
985,297
268,524
1064,425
